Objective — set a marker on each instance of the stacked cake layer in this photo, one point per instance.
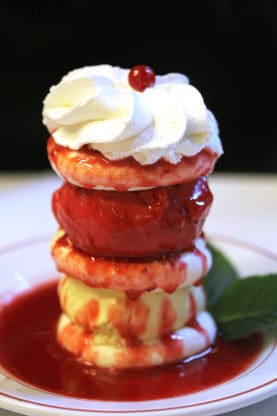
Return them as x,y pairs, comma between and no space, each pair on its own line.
132,327
131,212
144,309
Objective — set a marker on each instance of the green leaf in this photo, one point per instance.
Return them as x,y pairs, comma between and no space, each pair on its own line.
248,305
237,329
220,277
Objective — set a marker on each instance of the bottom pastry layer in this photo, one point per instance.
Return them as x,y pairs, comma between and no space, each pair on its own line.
101,350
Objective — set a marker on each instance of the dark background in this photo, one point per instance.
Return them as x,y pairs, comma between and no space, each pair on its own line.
226,48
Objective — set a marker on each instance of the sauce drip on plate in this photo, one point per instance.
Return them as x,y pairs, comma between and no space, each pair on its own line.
30,354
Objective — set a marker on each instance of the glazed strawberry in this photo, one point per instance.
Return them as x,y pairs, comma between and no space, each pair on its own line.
133,224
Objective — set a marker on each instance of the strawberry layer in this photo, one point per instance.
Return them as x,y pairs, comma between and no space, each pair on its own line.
133,224
90,169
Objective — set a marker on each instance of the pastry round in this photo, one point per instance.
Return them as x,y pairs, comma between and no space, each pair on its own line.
133,276
90,169
103,350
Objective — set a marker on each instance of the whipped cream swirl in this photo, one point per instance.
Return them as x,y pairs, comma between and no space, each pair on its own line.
96,106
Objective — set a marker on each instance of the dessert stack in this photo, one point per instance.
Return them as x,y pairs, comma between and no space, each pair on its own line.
134,151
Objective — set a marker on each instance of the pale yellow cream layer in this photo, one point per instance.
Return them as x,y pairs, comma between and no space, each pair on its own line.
152,314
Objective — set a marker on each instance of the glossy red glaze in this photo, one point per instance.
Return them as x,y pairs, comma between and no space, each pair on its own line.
133,224
131,324
89,314
29,352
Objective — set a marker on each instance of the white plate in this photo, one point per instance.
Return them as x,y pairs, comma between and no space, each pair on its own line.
27,263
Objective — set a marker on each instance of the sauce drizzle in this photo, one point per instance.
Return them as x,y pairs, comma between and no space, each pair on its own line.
29,352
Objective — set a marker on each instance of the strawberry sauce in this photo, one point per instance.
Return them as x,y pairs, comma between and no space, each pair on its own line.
133,224
29,352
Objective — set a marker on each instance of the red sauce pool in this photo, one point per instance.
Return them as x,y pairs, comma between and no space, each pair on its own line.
29,352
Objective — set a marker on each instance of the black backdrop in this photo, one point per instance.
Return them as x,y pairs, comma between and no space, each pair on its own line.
226,48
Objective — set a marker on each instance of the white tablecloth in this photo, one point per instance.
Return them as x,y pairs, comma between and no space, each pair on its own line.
244,207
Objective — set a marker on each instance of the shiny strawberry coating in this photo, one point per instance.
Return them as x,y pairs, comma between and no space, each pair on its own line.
135,223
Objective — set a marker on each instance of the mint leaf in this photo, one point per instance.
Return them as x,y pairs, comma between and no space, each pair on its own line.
239,306
248,305
220,277
237,329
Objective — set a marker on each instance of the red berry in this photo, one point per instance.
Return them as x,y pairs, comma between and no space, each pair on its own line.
141,77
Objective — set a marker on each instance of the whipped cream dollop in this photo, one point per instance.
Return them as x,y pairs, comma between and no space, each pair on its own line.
96,106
